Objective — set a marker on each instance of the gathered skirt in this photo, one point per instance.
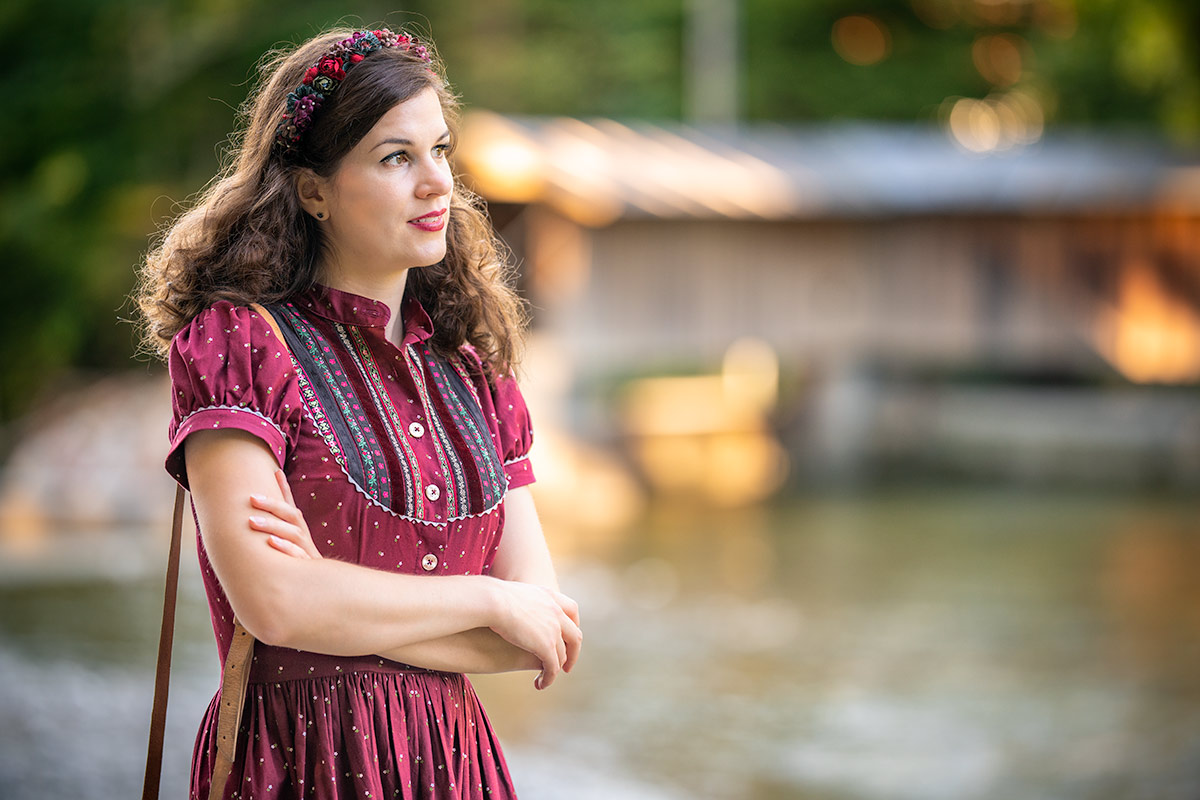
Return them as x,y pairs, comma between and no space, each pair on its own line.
323,727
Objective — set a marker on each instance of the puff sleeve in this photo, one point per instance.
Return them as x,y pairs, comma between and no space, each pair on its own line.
229,371
515,430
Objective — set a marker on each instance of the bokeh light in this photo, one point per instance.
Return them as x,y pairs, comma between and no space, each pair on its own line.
1000,58
1151,335
861,39
998,122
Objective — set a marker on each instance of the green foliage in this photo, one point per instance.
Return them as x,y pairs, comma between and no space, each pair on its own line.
115,110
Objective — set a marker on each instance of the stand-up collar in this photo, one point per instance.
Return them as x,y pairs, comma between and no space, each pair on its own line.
352,309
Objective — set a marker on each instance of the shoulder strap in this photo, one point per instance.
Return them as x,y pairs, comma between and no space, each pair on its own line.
162,673
270,320
233,699
236,674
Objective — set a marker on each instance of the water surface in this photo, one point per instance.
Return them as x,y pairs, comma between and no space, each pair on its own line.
904,644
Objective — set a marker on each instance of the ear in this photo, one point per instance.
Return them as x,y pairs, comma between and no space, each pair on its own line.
313,193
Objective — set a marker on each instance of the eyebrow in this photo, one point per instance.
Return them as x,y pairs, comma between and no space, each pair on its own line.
407,142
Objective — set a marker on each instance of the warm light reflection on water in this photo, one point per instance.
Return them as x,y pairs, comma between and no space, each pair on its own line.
907,644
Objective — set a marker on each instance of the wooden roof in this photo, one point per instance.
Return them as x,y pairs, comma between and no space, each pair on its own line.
601,170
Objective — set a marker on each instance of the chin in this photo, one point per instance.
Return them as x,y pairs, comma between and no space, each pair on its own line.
429,259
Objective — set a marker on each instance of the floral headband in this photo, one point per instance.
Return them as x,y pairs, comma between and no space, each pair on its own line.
321,80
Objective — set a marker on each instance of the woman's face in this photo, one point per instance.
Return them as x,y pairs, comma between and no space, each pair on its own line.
387,205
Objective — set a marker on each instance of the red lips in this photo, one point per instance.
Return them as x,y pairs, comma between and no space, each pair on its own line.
432,222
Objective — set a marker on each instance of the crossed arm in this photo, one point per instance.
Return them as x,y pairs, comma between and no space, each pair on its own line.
286,594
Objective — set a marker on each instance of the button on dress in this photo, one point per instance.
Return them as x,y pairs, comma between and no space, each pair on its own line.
399,459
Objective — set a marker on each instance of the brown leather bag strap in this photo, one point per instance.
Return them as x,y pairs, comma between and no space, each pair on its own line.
233,700
233,682
270,320
162,674
237,669
235,678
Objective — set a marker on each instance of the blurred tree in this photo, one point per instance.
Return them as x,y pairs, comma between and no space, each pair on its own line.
1086,61
108,124
115,110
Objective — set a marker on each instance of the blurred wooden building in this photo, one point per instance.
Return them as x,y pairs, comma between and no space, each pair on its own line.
1029,313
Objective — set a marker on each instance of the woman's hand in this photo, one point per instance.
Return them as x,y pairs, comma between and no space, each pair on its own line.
286,529
540,621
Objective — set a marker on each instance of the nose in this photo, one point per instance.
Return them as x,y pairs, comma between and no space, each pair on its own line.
436,179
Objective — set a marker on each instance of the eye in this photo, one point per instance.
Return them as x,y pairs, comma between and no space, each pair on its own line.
441,151
398,157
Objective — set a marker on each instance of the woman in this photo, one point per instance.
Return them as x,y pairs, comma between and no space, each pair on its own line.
360,488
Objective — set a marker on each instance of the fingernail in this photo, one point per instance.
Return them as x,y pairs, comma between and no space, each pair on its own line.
256,520
259,497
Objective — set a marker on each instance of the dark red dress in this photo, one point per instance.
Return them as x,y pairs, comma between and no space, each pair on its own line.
400,460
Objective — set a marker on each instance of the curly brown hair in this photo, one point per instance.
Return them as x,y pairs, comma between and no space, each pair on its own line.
246,239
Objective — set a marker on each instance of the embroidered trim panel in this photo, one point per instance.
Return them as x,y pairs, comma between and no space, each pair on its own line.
346,396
